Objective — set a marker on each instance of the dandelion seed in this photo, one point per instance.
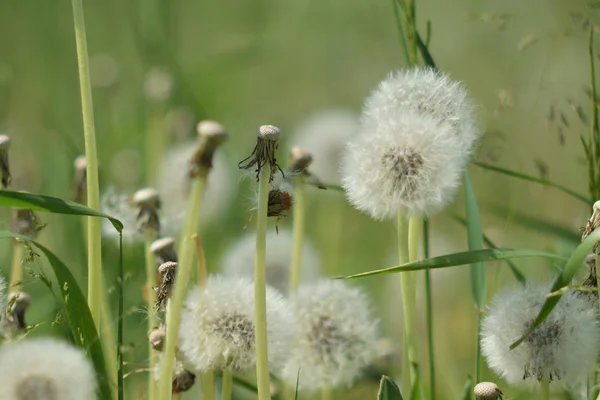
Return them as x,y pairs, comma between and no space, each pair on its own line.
264,151
45,369
167,272
79,191
164,250
239,259
564,347
217,326
147,203
487,391
334,335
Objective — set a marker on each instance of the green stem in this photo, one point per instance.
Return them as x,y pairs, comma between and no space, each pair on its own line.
545,389
207,381
152,317
260,283
478,349
429,306
412,32
226,385
415,227
326,393
16,270
299,209
93,189
594,157
184,269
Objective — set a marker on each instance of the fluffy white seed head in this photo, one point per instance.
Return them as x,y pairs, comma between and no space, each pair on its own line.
407,162
217,326
324,135
427,92
239,259
45,369
335,335
564,347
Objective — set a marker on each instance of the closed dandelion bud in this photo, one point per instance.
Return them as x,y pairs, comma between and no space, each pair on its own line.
212,135
167,272
45,369
25,222
564,347
217,326
147,204
264,151
183,380
19,302
487,391
79,191
300,159
164,250
239,259
157,338
334,336
5,177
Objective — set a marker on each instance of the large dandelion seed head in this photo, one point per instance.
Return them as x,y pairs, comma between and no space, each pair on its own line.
239,259
408,162
217,326
45,369
335,335
564,347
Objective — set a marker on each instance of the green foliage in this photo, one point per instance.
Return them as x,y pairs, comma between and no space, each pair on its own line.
388,390
467,389
475,241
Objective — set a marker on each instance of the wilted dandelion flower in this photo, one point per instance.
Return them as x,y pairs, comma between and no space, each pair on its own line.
239,259
324,135
335,335
45,369
217,326
563,348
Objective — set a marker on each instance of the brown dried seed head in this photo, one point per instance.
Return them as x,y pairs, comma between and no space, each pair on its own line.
146,197
157,338
487,391
269,132
211,130
167,267
300,159
4,142
183,381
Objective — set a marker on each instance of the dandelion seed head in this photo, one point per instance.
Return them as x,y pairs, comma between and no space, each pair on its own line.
164,250
217,326
335,335
563,348
239,259
408,162
487,391
300,159
147,197
45,369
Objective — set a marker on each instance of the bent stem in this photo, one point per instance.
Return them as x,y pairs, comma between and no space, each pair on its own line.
16,270
152,317
260,284
226,384
299,216
184,270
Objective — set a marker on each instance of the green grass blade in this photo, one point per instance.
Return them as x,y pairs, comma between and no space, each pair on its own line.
475,241
78,314
388,390
401,36
530,178
427,57
466,392
297,386
563,279
120,322
244,384
54,205
456,259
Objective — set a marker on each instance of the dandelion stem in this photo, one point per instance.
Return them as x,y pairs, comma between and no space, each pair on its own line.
545,389
429,306
184,270
415,226
326,393
260,283
226,384
152,317
299,209
16,270
93,189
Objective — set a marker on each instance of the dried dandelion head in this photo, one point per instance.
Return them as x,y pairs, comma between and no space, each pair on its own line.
217,326
5,177
211,135
487,391
25,222
45,369
147,204
164,250
157,338
300,159
264,151
334,335
167,272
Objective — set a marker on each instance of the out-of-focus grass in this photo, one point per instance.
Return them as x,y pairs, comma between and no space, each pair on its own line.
250,63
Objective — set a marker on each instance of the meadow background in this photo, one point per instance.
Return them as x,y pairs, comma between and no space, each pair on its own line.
276,62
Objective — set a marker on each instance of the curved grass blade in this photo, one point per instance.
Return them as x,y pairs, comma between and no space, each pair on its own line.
388,390
562,280
530,178
463,258
427,58
78,314
245,384
54,205
466,392
475,242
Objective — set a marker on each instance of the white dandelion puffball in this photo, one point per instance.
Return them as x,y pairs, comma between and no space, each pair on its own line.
324,136
564,347
119,206
335,335
239,259
428,92
217,326
174,186
45,369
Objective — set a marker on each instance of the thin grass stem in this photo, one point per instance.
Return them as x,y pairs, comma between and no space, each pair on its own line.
226,384
299,210
151,273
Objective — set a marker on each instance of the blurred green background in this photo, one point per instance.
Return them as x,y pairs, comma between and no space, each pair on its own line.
247,63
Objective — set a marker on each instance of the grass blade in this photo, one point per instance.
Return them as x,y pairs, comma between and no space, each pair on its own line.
244,384
563,279
78,314
475,241
530,178
427,57
54,205
388,390
463,258
120,384
466,392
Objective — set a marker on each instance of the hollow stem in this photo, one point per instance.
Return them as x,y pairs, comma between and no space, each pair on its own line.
545,390
299,210
260,284
429,306
184,270
226,384
93,189
415,228
151,272
16,270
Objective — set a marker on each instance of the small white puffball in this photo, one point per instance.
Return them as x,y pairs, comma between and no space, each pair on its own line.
335,335
239,259
217,326
564,347
45,369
